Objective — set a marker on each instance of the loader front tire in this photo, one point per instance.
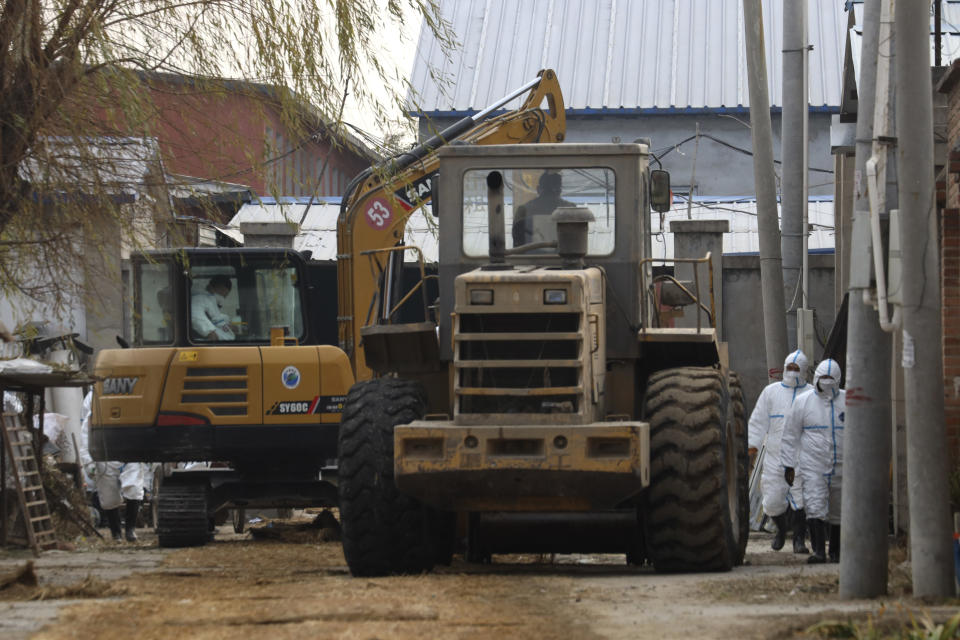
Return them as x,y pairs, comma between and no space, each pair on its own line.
692,508
384,532
738,414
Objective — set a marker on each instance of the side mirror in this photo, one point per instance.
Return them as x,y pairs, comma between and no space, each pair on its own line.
660,195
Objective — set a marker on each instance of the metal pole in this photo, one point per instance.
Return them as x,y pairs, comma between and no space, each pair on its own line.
792,142
805,200
867,445
771,277
930,526
938,34
693,174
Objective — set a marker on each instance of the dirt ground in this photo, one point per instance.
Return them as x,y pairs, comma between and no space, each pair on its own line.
292,582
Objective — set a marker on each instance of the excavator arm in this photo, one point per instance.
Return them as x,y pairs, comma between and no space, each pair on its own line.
380,199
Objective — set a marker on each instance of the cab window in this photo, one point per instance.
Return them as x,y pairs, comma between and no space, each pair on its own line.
530,197
153,315
242,302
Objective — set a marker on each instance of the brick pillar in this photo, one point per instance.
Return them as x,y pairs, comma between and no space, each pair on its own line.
950,272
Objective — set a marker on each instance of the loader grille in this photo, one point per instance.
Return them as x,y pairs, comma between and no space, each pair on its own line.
223,390
520,363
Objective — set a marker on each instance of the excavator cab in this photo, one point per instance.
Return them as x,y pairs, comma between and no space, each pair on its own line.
225,297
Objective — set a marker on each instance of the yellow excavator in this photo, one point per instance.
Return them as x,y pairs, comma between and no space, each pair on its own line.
233,357
379,201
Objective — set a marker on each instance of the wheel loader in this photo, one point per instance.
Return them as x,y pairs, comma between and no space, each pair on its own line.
546,403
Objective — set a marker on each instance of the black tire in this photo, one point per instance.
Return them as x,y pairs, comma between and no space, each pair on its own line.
384,532
182,514
691,508
738,415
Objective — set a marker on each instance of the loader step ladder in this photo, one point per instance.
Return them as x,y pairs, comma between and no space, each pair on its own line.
18,445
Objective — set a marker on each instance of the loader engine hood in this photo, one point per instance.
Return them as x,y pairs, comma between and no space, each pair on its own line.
529,341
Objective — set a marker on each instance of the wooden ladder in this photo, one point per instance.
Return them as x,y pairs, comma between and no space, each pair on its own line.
18,445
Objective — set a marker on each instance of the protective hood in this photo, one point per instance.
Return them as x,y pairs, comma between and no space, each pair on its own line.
798,358
829,388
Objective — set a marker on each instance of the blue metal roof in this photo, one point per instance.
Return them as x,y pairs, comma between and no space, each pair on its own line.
617,56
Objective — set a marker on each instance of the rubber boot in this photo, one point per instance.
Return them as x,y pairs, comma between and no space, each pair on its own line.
113,521
133,510
818,540
781,535
834,543
800,531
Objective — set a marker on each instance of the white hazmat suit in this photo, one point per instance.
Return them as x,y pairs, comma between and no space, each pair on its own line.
766,423
813,442
115,482
206,316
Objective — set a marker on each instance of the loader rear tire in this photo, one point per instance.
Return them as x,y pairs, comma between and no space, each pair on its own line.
384,532
692,511
182,518
738,415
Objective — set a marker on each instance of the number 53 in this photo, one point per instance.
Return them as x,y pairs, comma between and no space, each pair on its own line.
378,214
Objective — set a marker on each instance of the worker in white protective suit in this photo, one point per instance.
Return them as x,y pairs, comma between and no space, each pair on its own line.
813,440
781,503
116,483
207,318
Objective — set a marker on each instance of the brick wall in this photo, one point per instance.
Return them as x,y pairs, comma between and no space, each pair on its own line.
950,271
950,85
234,133
948,192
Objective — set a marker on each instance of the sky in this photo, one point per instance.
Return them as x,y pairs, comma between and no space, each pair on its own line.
397,52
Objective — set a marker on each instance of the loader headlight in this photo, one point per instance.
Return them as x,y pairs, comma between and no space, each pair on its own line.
481,296
554,296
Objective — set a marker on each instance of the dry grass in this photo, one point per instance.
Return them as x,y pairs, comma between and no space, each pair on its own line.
89,587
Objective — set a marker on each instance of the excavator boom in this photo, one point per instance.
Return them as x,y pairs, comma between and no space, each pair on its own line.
380,199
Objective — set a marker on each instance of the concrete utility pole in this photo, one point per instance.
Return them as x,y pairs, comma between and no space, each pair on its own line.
930,526
771,277
793,157
867,445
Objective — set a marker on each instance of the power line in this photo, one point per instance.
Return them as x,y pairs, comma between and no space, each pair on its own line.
718,207
660,153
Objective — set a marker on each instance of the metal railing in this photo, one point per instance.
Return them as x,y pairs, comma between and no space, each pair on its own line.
650,304
381,299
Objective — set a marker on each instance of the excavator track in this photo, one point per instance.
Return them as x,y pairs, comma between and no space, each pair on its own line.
182,519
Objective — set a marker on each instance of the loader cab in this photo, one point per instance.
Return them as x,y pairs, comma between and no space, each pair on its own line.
224,297
611,182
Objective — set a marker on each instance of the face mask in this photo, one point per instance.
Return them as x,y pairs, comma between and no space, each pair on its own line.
220,299
827,385
791,378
